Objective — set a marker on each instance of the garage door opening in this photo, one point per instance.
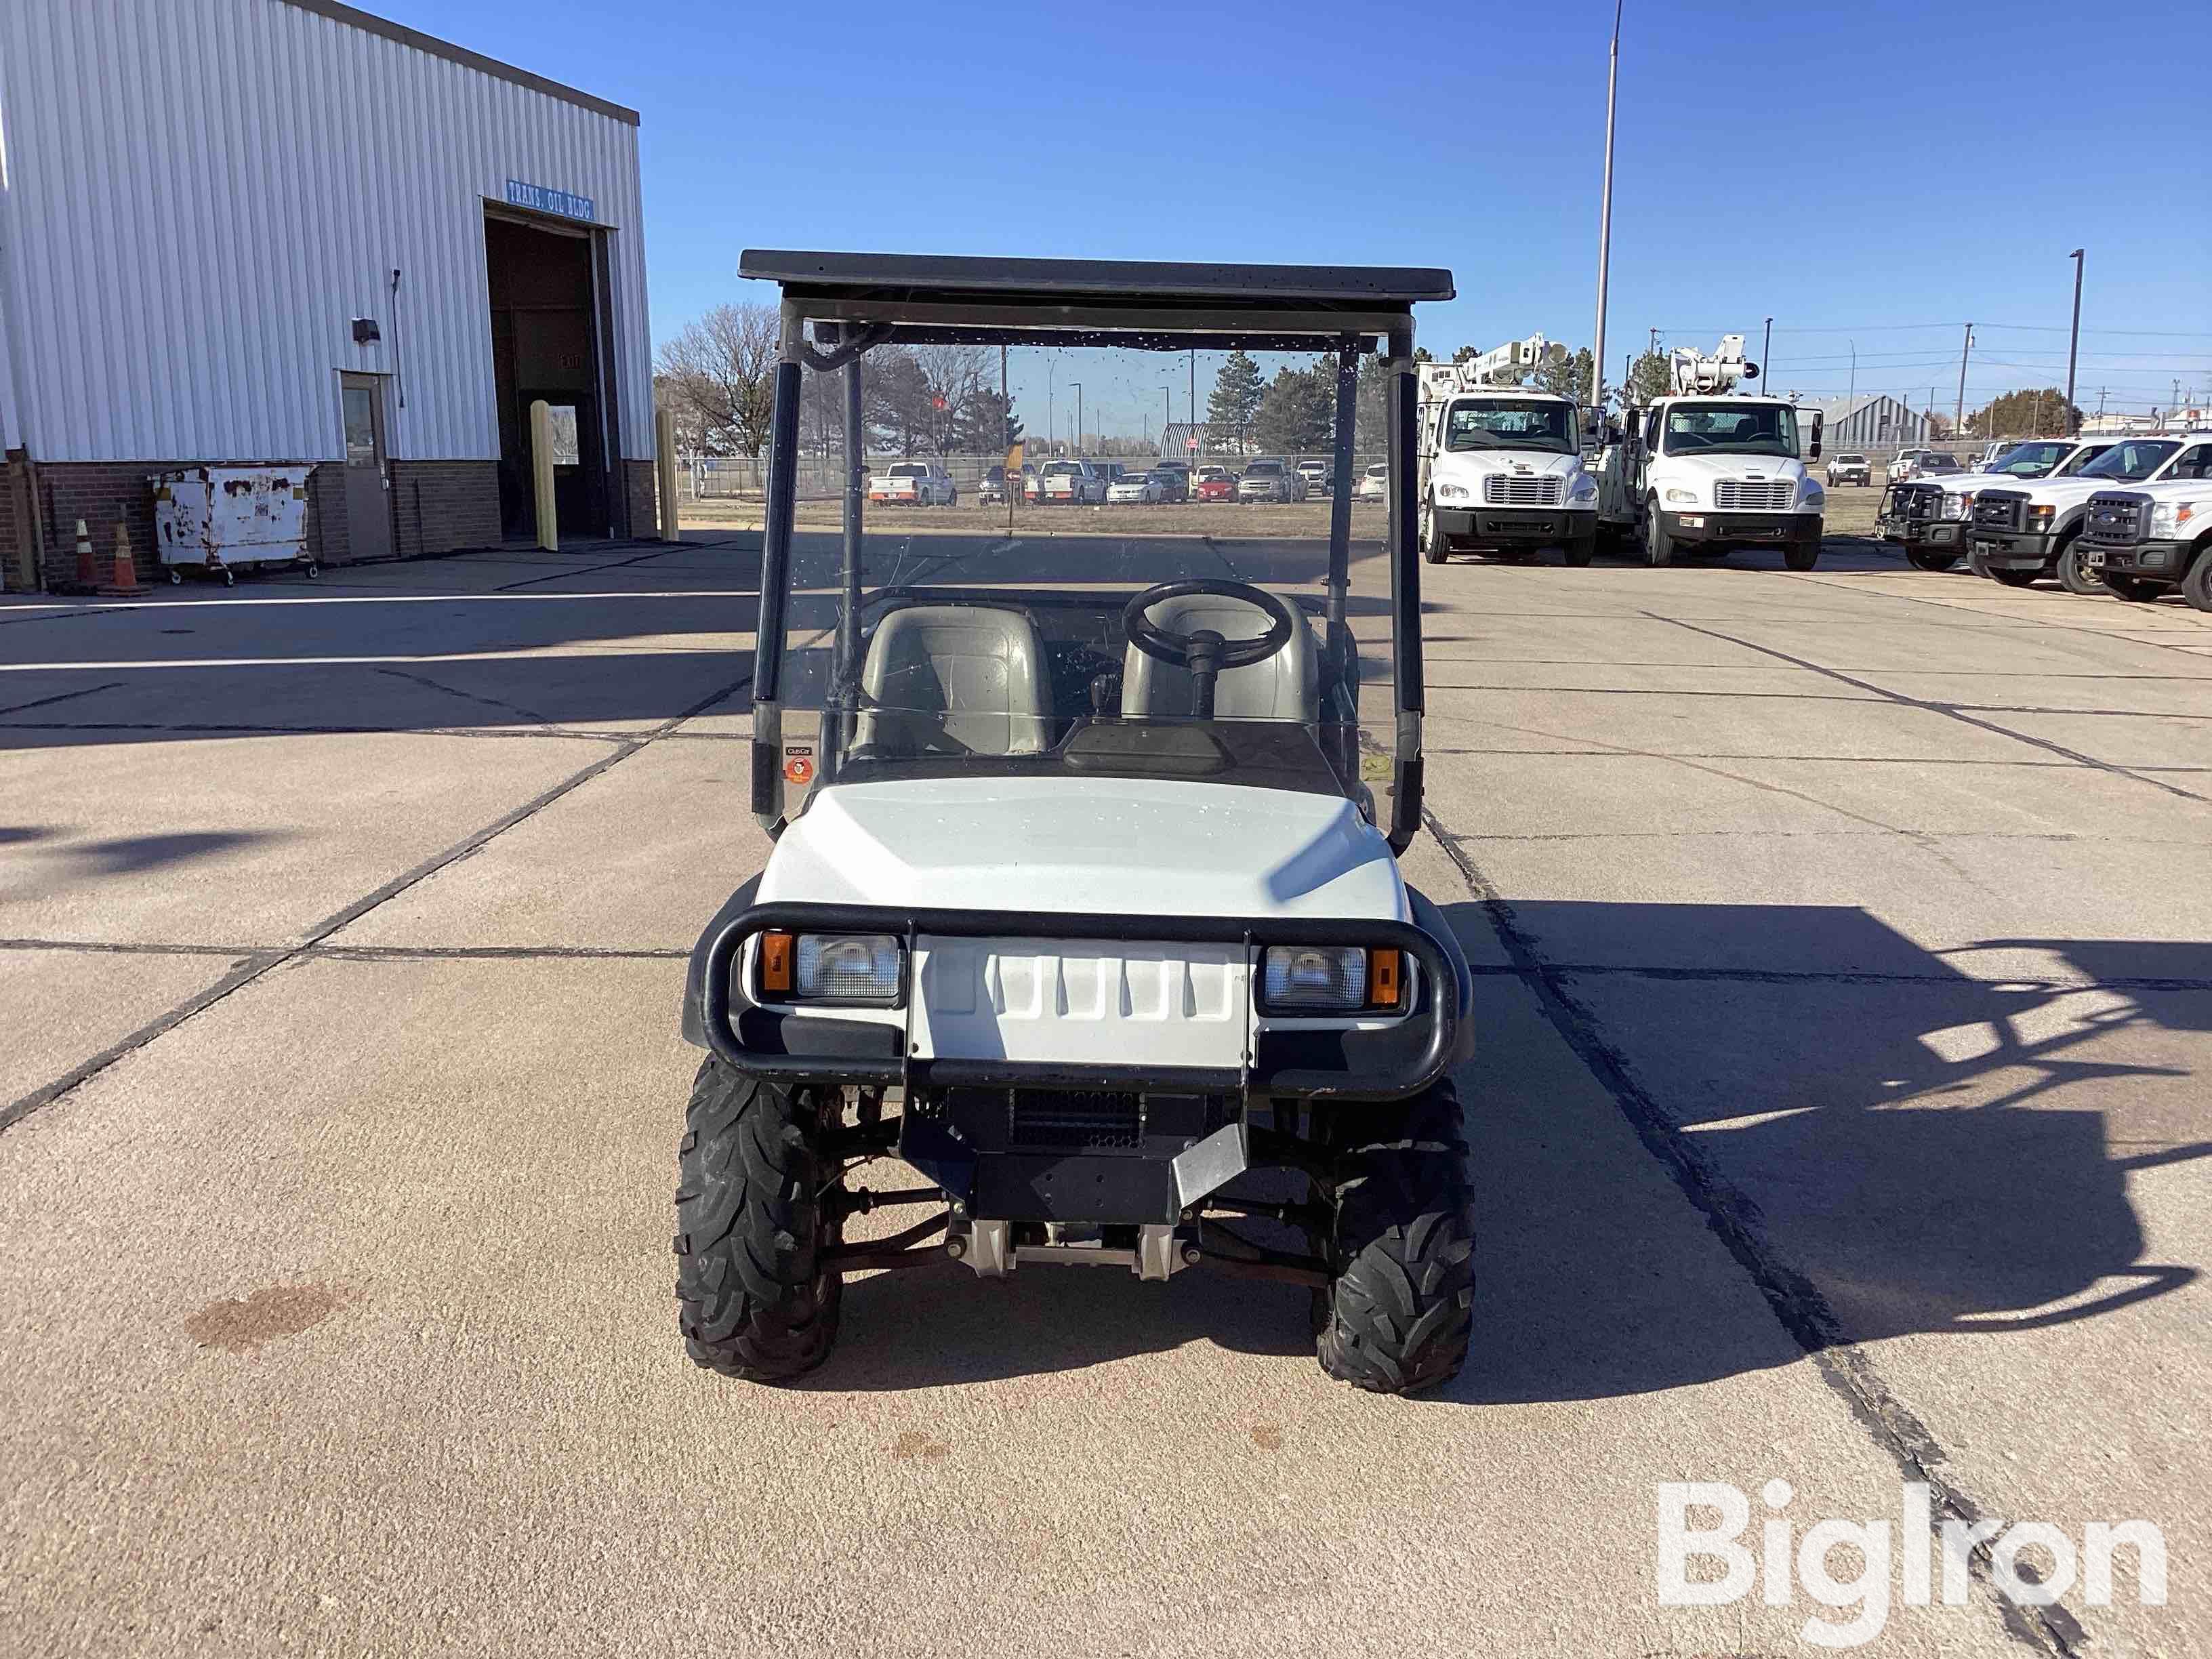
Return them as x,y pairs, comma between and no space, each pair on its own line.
549,338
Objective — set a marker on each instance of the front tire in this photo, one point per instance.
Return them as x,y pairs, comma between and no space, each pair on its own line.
2133,589
2197,586
1658,545
1924,559
1581,550
1802,556
2077,578
756,1296
1433,548
1398,1313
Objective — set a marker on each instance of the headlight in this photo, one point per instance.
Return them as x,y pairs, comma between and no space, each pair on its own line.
2039,518
1690,495
1330,979
1957,507
1815,495
855,969
1452,492
1585,488
2167,517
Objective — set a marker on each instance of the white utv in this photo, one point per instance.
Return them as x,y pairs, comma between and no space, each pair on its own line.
1084,901
1501,465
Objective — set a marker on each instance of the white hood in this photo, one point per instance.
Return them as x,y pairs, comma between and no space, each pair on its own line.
1109,845
1514,463
1706,469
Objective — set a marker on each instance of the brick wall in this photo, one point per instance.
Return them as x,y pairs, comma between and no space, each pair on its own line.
440,506
638,484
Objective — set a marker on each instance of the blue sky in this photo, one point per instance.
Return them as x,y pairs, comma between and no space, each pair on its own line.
1872,176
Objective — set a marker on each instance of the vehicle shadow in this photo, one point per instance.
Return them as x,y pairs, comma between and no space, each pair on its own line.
1921,1151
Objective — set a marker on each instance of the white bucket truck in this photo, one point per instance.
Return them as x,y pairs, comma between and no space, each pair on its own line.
1709,467
1501,464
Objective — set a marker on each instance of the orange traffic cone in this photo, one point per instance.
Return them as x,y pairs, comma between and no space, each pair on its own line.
87,577
125,585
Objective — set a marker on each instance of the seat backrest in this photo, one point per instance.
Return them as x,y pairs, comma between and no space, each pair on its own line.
973,673
1285,687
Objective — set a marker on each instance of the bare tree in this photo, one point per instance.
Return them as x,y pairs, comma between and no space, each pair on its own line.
719,372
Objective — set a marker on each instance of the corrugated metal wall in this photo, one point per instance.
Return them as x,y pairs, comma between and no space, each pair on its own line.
199,195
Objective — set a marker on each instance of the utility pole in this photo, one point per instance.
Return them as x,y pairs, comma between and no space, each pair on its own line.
1167,419
1078,385
2073,347
1765,352
1006,439
1851,398
1051,426
1966,346
1193,399
1605,221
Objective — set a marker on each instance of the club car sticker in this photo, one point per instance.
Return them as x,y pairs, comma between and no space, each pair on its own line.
799,763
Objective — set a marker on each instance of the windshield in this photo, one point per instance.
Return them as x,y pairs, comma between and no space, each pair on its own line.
2131,462
1731,428
1512,423
910,472
2032,460
1850,461
994,641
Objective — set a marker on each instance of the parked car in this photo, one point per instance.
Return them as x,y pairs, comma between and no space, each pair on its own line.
993,487
1849,469
1320,477
1922,464
1174,480
1374,483
1216,483
913,483
1270,481
1077,483
1141,487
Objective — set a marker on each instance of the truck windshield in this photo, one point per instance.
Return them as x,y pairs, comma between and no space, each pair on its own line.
909,471
2130,463
1512,423
2032,460
1731,428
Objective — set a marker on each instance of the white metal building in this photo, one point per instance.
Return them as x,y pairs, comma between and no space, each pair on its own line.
1869,421
261,231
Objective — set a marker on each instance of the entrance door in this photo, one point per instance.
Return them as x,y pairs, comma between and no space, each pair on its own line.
368,469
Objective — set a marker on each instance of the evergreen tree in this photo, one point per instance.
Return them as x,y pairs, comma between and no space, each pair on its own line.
1569,380
1298,411
1234,403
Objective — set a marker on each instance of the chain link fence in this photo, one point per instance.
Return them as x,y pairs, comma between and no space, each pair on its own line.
822,478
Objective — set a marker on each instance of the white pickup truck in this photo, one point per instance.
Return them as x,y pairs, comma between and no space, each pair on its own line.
2146,541
1927,517
1072,484
913,483
2018,535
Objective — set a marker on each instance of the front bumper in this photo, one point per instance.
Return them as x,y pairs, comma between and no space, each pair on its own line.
1915,533
2027,550
1734,528
2148,561
1514,526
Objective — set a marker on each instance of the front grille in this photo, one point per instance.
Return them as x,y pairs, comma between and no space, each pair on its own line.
2115,520
1753,494
1501,489
1074,1120
1917,502
1999,509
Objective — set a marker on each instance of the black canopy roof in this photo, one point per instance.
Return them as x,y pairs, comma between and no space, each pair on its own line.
922,297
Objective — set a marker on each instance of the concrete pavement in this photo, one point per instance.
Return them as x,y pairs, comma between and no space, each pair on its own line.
1838,1117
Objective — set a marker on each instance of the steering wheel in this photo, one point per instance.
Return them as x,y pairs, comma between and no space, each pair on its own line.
1203,651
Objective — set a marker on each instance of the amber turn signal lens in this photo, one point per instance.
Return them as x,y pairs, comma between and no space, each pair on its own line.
1386,980
775,962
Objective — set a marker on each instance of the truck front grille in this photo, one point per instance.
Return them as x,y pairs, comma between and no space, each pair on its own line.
1501,489
1753,494
2115,520
1917,503
1999,509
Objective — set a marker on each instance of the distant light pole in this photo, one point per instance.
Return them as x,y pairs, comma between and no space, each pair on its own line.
1078,385
1605,221
1051,424
1766,354
2073,346
1851,398
1959,416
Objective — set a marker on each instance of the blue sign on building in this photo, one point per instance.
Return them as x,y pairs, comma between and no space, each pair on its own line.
542,200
